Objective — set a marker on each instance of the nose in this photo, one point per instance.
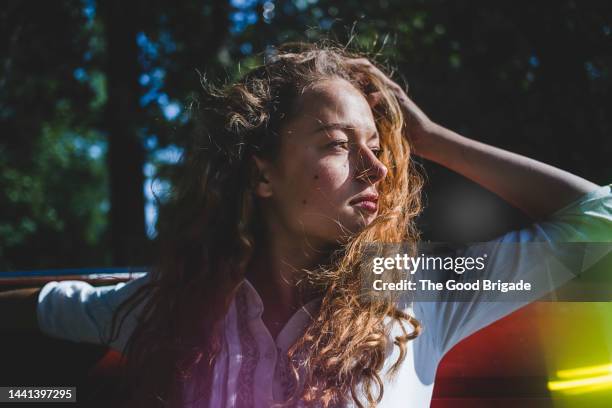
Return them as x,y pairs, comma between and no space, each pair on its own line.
369,168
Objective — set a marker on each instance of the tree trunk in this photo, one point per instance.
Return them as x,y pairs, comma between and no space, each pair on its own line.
122,119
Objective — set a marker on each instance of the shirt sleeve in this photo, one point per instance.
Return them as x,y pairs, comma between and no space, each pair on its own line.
586,220
77,311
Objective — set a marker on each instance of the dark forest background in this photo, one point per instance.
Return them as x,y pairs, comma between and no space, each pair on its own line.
94,94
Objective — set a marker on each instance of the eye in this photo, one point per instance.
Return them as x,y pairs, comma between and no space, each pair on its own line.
377,151
340,144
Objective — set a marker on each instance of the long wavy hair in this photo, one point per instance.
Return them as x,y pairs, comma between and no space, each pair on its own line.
211,227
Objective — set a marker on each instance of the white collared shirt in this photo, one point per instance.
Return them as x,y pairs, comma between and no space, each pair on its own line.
252,370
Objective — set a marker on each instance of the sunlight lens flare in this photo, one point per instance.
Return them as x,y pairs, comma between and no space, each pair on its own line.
583,380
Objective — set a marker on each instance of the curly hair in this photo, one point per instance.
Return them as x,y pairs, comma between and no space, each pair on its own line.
210,228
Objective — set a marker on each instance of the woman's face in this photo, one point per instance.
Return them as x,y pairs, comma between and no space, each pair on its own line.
323,185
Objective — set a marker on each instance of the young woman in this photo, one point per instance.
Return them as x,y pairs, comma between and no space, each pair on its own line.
256,297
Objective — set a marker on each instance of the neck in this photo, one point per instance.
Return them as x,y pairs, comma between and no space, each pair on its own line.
277,265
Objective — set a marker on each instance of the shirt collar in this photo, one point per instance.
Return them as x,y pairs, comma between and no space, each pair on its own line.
295,326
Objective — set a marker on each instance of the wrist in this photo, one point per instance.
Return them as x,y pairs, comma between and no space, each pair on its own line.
422,138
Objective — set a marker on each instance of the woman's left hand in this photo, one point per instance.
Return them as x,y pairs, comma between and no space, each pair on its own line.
417,123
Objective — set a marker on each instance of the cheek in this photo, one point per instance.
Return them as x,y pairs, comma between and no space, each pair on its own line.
312,178
324,182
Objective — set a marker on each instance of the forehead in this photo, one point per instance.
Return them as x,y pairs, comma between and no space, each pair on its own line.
334,101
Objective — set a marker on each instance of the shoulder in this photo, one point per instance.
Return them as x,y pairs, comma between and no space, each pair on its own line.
78,311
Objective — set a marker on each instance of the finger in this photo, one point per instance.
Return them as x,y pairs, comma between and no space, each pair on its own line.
374,98
366,65
359,61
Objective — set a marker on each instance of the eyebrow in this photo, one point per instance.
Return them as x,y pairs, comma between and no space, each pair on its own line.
342,126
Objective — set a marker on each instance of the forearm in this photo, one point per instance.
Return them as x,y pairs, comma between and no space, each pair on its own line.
536,188
18,310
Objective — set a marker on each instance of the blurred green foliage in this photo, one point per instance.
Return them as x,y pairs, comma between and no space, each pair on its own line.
53,190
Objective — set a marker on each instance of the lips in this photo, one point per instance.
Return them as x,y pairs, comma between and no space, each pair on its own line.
365,197
368,202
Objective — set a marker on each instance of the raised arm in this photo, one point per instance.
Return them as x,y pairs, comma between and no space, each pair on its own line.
530,185
536,188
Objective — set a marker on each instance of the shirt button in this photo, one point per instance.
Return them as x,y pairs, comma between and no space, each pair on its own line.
269,354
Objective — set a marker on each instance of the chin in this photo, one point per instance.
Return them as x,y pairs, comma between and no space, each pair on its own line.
359,224
365,219
348,226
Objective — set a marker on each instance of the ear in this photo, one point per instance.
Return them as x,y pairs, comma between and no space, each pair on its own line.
262,184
